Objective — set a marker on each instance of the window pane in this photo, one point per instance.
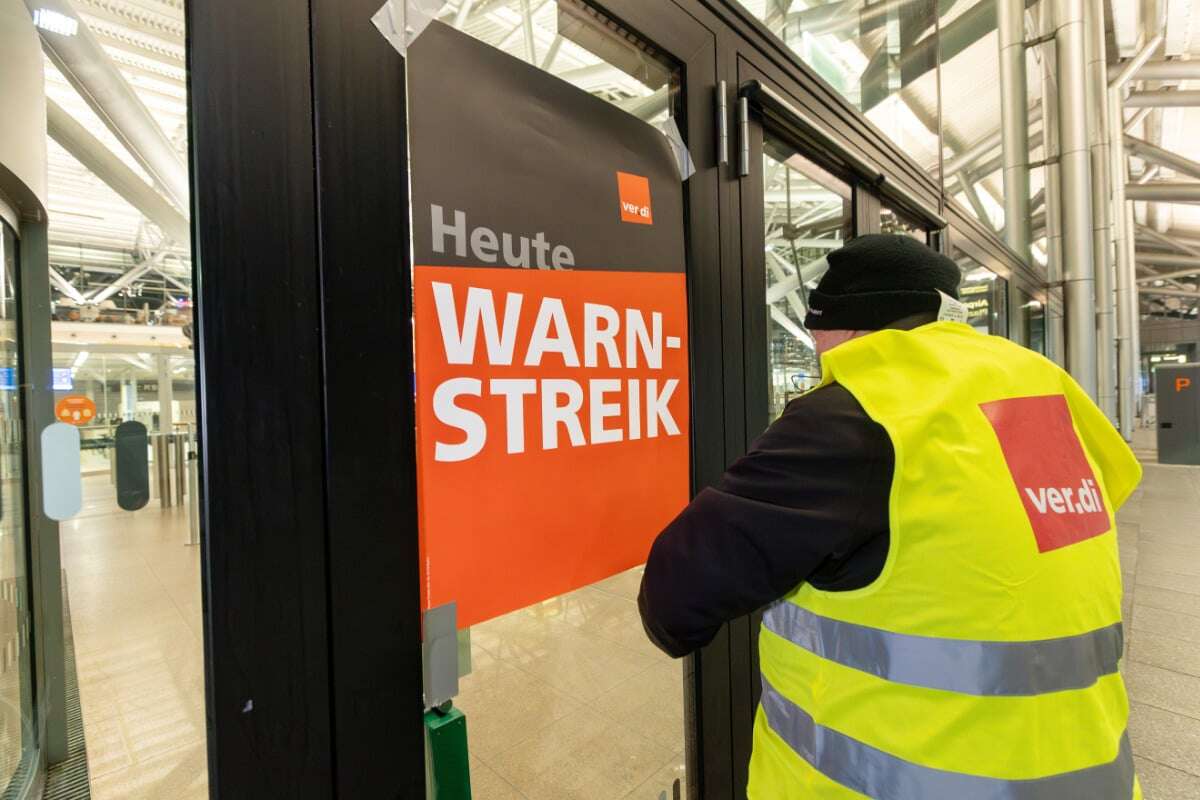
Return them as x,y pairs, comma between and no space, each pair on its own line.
120,328
1030,323
970,59
807,212
895,222
881,57
986,296
582,46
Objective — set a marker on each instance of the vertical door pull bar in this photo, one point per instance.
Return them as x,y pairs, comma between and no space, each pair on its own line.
722,124
743,137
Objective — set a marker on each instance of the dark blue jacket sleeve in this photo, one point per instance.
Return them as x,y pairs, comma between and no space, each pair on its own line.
808,502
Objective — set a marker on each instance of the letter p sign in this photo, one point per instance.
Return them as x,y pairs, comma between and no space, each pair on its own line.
1182,383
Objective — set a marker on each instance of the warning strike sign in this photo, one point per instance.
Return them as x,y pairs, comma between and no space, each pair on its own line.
550,314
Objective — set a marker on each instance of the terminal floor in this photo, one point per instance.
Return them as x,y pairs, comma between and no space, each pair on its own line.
134,589
566,699
1159,531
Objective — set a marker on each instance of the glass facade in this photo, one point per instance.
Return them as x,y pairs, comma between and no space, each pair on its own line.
17,735
926,74
881,57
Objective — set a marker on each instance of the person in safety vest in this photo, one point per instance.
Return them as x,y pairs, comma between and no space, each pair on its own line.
931,532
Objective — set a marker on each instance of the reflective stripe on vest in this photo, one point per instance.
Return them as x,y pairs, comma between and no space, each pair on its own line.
876,774
953,665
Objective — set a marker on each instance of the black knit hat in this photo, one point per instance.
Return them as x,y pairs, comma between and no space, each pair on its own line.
877,279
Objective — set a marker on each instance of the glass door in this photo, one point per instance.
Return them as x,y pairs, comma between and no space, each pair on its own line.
18,740
797,205
804,192
563,694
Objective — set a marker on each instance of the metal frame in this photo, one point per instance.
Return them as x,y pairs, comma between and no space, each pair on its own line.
44,561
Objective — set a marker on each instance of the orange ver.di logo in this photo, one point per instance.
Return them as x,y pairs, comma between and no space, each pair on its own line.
634,193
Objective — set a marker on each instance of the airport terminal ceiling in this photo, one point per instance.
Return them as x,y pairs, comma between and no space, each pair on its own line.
119,257
118,235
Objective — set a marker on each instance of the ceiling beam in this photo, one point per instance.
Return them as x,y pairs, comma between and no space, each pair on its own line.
94,155
1163,98
82,61
987,144
64,286
1161,70
120,283
1170,239
1157,155
1164,276
1168,260
1163,192
1167,292
1120,74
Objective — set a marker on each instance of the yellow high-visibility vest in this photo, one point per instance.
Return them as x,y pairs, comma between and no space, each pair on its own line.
982,664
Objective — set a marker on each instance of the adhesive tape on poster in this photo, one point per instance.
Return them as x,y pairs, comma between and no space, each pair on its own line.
683,158
402,21
439,650
951,310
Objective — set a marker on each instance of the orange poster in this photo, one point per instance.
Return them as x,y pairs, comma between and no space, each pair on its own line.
552,428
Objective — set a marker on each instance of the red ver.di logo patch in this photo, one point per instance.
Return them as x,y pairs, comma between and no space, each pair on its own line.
1052,474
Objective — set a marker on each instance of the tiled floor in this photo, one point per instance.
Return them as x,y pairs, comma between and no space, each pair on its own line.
134,588
566,699
1159,531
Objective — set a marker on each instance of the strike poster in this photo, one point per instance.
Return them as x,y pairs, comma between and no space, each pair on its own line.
550,327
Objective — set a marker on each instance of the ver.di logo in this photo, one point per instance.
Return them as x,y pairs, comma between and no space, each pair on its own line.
1052,475
634,194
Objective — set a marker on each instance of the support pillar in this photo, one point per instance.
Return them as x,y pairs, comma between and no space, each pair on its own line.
1014,122
1055,338
1102,213
129,398
1079,277
166,395
1127,296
